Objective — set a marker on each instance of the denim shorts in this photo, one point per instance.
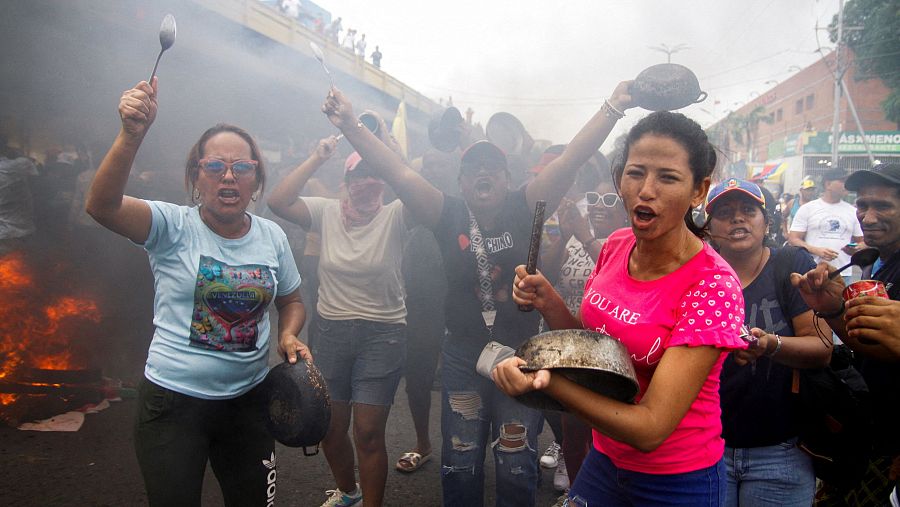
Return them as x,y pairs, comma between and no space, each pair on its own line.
600,482
361,360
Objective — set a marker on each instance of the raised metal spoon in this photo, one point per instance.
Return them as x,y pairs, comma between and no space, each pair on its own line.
166,39
860,258
317,52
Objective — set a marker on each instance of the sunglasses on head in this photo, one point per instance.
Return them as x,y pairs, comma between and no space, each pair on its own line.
608,200
239,168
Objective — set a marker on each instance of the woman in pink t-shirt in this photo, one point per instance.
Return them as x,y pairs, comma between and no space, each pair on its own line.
675,305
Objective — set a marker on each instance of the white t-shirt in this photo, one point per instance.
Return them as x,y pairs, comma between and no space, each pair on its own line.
359,269
829,226
210,308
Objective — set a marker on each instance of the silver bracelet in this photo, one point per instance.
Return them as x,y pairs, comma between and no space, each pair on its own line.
610,111
777,347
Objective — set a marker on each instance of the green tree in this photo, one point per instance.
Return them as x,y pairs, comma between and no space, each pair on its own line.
874,36
743,127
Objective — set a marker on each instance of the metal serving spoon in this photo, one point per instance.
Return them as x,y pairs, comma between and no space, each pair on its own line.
166,39
861,258
317,52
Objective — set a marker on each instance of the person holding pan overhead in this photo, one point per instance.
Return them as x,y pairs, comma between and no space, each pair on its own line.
482,237
218,270
675,305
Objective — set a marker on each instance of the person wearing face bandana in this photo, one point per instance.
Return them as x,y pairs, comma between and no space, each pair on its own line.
360,339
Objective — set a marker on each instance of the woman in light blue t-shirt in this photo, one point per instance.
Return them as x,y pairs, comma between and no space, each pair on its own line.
217,271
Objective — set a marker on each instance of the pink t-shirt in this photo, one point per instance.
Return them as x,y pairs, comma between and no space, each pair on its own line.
700,303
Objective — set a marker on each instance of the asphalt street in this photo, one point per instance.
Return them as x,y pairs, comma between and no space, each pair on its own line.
96,466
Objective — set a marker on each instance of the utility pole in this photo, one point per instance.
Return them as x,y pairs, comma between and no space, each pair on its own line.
838,76
840,88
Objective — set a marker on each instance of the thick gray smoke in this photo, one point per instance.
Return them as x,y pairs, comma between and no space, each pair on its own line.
65,66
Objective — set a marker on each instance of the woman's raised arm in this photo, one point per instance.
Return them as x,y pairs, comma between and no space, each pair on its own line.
283,201
423,200
106,200
554,181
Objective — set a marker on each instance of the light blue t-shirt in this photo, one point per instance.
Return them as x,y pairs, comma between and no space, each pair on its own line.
211,301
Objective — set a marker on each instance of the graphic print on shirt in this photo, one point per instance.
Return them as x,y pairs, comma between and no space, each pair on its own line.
491,247
833,227
573,275
229,302
767,315
626,316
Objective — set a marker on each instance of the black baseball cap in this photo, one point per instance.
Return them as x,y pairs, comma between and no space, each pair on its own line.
483,154
878,175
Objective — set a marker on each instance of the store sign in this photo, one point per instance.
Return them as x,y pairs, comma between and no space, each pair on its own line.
787,147
768,98
792,145
880,141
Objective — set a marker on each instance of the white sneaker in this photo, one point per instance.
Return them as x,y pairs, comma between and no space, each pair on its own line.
561,476
551,456
338,498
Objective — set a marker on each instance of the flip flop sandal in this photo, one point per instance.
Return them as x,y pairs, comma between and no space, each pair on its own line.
411,461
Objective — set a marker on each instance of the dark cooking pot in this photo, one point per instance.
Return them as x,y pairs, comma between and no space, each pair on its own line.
371,122
666,87
297,406
445,129
593,360
507,132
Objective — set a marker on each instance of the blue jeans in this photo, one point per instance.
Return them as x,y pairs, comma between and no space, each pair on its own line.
773,475
473,409
601,483
361,360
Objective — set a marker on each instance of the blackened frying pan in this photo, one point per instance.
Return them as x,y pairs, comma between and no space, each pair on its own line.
297,406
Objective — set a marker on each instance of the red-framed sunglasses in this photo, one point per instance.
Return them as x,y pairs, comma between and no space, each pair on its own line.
239,168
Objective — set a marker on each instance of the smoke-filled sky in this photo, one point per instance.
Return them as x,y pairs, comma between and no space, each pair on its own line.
552,63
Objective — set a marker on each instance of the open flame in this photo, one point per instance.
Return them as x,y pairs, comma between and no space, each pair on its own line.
37,321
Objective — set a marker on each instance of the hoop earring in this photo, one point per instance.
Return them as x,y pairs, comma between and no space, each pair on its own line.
195,194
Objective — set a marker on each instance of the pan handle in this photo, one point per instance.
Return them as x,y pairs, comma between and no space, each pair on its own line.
701,97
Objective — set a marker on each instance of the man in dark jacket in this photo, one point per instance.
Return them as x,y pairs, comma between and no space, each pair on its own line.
870,325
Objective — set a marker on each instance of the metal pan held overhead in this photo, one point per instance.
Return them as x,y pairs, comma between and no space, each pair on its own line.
445,129
592,360
666,87
507,132
297,406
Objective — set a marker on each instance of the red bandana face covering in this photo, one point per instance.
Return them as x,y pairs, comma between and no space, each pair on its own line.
363,201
